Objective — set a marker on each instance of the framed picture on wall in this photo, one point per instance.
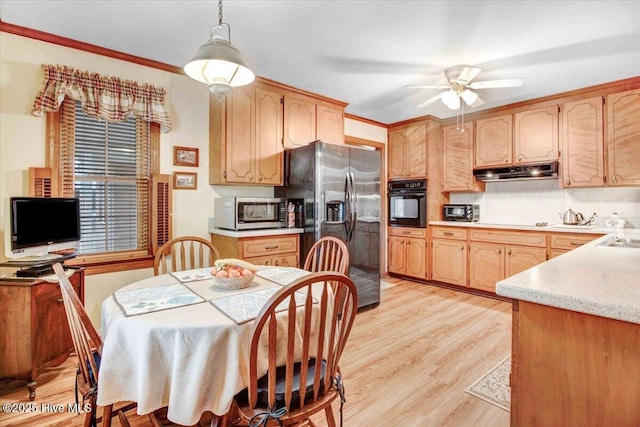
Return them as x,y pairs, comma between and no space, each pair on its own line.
185,180
185,156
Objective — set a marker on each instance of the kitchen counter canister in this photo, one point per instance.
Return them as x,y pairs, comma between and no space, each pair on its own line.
256,233
593,279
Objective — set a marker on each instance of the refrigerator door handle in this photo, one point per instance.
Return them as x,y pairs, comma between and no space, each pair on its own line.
352,208
347,214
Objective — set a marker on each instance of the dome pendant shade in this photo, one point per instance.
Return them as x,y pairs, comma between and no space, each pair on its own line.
220,65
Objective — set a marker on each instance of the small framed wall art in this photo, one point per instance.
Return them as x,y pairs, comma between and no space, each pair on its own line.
185,180
185,156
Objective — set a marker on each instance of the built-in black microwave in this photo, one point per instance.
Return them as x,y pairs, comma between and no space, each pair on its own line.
408,203
461,212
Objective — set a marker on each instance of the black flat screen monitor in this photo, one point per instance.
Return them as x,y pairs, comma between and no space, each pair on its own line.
40,224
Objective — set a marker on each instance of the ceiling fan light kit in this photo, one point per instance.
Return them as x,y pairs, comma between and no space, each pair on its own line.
218,63
459,86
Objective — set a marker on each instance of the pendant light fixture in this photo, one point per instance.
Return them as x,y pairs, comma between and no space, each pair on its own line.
218,64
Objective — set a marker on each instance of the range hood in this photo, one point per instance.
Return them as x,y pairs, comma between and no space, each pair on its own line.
547,170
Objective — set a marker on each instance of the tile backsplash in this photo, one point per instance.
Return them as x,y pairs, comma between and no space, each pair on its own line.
528,202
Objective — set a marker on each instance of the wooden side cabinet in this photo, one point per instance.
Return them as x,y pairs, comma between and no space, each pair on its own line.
449,255
34,327
280,250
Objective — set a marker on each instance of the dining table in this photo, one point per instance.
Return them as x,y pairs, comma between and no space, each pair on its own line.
179,341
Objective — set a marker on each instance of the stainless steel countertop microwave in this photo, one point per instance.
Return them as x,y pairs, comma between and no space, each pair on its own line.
461,212
249,213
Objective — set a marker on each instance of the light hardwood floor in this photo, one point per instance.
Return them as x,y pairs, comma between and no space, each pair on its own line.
407,363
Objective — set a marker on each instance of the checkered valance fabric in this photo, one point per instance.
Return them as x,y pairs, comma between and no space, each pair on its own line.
103,97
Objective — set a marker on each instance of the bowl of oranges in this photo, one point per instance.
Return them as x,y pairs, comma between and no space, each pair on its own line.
233,273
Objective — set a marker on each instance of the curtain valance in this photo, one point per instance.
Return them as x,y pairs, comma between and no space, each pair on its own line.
102,97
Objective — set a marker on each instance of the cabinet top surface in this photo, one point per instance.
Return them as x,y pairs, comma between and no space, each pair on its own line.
256,233
593,279
525,227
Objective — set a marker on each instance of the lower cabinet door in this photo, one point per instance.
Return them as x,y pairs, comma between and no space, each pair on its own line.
397,255
520,258
486,265
416,258
449,260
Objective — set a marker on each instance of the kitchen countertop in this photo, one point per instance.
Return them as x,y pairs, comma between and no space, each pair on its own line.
529,227
592,279
255,233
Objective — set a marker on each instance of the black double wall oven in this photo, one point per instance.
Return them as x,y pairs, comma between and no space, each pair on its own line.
408,203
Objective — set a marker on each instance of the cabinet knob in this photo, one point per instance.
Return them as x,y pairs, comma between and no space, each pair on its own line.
519,158
499,250
260,177
568,182
250,176
509,251
614,180
506,158
462,247
277,263
468,185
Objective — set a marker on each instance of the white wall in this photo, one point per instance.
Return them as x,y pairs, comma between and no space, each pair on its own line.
22,141
528,202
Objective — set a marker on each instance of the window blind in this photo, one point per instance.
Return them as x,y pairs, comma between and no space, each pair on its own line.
111,175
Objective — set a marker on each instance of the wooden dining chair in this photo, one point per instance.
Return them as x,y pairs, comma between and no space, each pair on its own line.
88,348
297,339
328,254
185,253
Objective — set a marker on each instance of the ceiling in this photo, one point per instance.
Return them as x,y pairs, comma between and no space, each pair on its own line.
366,52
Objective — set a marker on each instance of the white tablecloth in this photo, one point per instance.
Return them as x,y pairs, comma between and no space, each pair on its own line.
191,359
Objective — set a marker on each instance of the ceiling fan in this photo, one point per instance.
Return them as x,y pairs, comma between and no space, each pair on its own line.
460,85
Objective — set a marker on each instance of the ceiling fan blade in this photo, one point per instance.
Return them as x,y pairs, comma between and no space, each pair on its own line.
497,83
430,101
428,86
467,74
478,102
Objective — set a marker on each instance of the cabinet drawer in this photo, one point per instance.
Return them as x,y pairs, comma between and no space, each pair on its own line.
407,232
264,246
449,233
275,261
571,241
509,237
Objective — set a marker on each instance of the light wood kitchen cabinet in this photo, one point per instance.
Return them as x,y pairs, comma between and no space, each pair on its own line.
560,243
245,144
408,151
276,250
571,368
408,252
582,139
35,331
330,123
299,121
494,141
449,255
623,134
496,254
457,149
535,136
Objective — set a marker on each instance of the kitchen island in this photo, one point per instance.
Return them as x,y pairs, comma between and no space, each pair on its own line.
576,337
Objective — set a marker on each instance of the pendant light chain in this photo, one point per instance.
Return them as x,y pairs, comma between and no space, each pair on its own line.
219,12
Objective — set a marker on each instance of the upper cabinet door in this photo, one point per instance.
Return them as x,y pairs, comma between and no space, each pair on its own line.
397,148
240,143
330,124
299,122
417,151
623,125
457,149
582,143
536,135
268,137
494,141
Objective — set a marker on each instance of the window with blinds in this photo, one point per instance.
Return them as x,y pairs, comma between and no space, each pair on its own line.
111,179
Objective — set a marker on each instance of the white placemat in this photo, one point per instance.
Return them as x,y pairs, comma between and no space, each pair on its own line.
192,275
244,307
155,298
282,275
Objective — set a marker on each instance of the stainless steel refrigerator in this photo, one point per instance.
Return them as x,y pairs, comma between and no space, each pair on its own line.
335,191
